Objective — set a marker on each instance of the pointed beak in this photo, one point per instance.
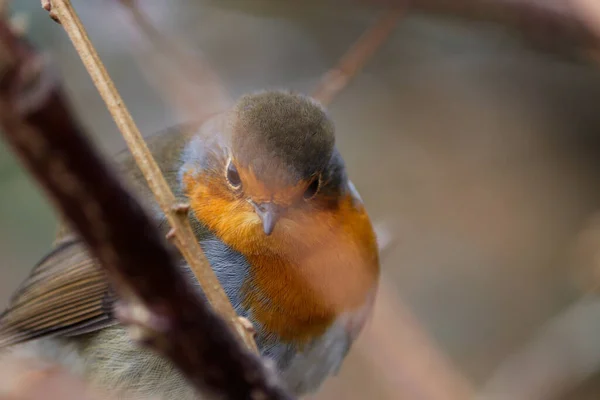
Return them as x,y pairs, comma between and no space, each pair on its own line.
269,214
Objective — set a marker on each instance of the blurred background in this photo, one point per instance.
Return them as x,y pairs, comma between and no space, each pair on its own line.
479,152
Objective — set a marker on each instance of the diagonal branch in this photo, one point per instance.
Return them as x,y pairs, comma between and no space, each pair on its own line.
183,235
156,298
354,60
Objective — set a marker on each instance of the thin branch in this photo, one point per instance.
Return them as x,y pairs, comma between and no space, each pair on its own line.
154,295
354,60
177,216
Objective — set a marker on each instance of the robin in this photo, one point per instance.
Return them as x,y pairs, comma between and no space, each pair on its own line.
281,224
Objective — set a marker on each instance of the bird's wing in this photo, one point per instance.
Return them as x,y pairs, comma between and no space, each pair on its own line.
166,147
66,294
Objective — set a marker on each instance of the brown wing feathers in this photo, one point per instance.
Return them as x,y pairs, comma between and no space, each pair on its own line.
65,294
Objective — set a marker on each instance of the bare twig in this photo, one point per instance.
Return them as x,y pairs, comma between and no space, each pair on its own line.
184,237
354,60
174,319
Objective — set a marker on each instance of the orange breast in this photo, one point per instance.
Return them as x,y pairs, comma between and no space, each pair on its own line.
313,267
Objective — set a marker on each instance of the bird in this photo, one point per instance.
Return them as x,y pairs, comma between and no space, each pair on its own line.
281,224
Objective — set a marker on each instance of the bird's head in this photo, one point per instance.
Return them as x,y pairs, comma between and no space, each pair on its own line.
279,164
267,179
281,144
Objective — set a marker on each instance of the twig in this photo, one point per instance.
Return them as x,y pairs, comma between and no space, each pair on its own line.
177,216
354,60
155,296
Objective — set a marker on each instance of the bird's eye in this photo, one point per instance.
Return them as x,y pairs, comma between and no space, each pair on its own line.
233,177
312,189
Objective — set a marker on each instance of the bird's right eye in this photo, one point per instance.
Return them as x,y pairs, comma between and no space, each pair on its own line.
233,177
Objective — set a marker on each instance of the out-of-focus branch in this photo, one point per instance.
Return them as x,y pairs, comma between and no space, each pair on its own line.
355,59
554,23
397,347
181,75
589,12
558,358
176,214
155,298
551,21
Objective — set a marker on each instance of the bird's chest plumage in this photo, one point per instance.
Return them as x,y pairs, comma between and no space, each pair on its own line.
276,291
303,364
297,281
304,287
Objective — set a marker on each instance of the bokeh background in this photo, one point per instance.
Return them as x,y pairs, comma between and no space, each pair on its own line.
478,150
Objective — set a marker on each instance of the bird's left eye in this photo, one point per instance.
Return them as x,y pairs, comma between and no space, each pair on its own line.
233,177
312,189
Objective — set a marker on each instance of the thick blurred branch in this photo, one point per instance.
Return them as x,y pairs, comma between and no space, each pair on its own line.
176,214
551,21
155,297
557,24
589,12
